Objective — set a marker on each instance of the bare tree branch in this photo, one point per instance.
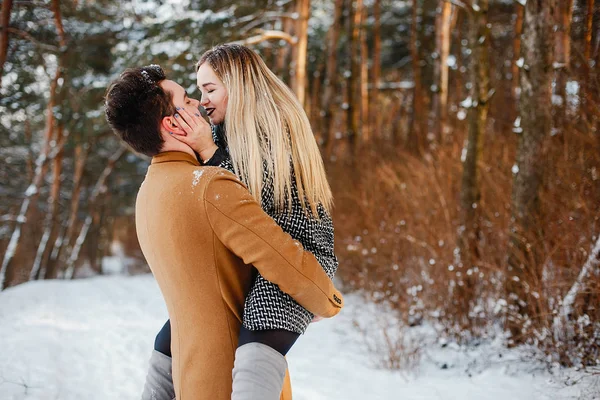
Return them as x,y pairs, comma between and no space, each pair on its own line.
5,20
27,36
268,35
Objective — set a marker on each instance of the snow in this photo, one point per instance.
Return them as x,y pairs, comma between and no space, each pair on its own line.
91,339
467,103
197,176
172,48
451,61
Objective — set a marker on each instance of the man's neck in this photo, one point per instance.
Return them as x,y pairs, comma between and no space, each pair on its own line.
181,147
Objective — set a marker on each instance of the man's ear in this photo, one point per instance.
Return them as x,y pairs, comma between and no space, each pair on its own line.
171,125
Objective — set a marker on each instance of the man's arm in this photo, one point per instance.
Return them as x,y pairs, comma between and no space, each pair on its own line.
247,231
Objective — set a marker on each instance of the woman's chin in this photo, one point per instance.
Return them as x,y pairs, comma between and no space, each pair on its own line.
215,121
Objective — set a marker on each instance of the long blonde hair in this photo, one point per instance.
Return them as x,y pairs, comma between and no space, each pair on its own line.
265,123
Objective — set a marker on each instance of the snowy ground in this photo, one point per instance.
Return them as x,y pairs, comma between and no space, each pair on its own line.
90,339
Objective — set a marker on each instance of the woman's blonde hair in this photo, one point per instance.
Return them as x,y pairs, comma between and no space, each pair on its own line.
265,123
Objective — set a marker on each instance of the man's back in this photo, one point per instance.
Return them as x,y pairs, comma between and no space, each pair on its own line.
172,227
195,225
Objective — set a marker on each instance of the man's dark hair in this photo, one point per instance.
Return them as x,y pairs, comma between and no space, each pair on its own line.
135,106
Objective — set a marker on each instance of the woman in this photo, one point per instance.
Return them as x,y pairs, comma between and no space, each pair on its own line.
264,136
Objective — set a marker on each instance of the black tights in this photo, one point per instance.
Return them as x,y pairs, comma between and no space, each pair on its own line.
278,339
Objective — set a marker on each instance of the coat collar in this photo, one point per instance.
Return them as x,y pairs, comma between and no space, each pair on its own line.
170,156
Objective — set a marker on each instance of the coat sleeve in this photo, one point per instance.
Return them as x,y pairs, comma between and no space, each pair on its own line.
247,231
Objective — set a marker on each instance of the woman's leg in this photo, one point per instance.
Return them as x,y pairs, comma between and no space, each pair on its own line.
162,343
159,381
260,366
278,339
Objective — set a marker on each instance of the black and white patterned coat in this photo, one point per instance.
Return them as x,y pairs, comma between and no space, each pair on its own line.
267,307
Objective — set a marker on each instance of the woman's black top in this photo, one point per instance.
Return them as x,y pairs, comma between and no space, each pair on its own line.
267,307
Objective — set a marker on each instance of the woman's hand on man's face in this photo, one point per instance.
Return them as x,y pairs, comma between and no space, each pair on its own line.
198,132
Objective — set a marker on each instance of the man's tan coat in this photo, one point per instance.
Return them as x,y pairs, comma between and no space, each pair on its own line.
201,231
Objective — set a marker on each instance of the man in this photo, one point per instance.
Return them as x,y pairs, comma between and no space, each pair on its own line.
200,231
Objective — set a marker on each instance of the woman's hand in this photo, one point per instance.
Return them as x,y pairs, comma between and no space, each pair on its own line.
198,133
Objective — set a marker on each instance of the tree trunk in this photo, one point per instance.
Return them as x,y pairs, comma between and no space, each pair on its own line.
62,41
65,240
415,133
283,56
563,330
535,105
376,116
303,10
5,21
314,106
364,77
331,80
517,56
440,93
99,188
564,16
50,228
588,86
470,232
9,272
352,120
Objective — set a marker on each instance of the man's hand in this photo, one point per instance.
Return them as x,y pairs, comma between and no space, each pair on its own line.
198,133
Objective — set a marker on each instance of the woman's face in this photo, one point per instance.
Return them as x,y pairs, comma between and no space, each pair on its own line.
214,94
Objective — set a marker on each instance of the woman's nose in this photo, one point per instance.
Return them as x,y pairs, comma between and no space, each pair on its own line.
204,101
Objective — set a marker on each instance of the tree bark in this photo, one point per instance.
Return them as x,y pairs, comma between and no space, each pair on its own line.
535,105
376,116
5,21
563,330
99,189
65,241
331,80
50,228
470,232
62,40
365,131
564,16
301,47
517,56
440,93
283,54
589,21
9,272
587,87
352,116
415,134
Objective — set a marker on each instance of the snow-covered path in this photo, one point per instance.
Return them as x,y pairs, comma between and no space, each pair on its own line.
90,339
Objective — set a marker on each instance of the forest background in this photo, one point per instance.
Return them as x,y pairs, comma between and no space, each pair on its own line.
461,140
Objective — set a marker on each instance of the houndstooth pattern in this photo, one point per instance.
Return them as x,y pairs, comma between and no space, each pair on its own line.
267,307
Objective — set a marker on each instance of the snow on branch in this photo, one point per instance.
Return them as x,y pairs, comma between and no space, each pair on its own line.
268,35
258,19
592,265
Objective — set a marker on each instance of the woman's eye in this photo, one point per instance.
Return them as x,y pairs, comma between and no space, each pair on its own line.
212,90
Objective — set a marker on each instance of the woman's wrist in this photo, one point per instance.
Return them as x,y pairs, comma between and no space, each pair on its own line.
207,153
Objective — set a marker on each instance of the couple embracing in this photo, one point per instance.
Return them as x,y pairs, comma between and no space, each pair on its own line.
233,218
